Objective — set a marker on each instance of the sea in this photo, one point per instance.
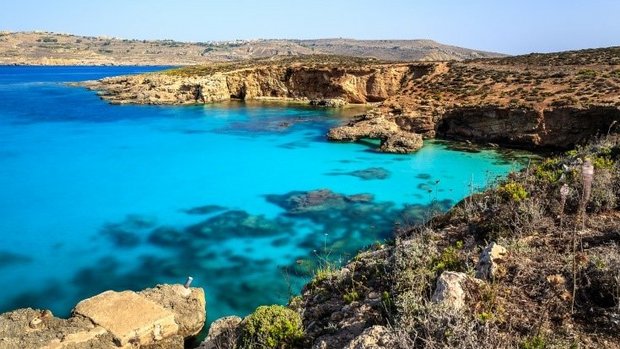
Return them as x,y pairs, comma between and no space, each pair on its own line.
247,198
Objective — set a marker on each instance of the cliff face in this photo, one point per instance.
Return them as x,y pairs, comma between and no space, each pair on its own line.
535,101
361,84
552,100
560,128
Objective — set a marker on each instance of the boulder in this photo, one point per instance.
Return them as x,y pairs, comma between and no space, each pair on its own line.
488,267
187,304
129,317
451,290
401,143
329,102
223,333
375,337
158,318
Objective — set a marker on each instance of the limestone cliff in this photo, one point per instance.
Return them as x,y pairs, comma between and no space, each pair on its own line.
551,100
366,82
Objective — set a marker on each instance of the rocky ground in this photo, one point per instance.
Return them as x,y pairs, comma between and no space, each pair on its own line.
43,48
538,101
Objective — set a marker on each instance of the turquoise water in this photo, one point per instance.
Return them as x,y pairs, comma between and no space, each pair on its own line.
243,197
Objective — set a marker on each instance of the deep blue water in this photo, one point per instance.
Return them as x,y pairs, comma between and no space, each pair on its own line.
98,197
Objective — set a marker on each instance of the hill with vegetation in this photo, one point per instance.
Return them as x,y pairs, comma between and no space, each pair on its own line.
44,48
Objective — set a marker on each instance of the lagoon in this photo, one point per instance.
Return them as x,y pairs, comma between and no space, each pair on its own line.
248,198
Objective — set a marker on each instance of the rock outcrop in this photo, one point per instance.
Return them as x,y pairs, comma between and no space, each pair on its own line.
223,333
516,101
556,128
324,84
375,337
393,139
161,317
488,267
452,290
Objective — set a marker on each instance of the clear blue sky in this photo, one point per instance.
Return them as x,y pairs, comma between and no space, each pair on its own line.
510,26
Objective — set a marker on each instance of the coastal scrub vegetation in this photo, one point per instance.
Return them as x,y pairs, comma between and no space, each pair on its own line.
528,305
271,327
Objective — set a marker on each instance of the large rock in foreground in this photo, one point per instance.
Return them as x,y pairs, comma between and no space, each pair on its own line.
161,317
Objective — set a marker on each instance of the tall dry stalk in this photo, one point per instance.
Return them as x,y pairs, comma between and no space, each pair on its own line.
564,191
587,175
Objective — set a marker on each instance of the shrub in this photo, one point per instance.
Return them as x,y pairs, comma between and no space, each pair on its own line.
601,162
350,297
513,191
587,73
449,259
272,326
536,342
549,171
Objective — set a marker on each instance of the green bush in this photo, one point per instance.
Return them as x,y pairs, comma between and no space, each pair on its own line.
549,171
601,162
587,73
536,342
449,259
351,297
513,191
272,326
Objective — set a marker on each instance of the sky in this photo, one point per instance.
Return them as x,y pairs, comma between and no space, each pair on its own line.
507,26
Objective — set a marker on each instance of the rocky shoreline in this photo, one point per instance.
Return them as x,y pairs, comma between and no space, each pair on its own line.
514,101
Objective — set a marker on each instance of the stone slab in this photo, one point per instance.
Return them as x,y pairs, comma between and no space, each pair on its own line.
129,317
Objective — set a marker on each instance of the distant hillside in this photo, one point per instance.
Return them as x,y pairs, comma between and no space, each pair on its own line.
42,48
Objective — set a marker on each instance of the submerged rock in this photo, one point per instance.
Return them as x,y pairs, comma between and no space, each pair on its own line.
368,174
316,200
239,224
204,210
8,259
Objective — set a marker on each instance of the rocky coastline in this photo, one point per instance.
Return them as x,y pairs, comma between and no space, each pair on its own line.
514,101
530,263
